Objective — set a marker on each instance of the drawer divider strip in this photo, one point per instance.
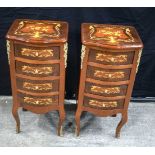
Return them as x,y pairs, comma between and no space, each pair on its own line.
37,78
109,66
104,98
107,83
37,61
38,94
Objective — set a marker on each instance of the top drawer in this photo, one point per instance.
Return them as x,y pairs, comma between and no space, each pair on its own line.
111,58
39,53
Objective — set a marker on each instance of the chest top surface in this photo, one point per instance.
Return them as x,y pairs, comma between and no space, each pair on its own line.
110,36
38,31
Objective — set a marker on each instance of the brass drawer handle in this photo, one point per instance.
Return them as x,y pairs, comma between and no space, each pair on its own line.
109,75
105,104
37,53
37,70
33,101
31,86
113,90
111,58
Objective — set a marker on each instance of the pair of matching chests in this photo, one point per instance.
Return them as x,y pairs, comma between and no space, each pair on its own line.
37,51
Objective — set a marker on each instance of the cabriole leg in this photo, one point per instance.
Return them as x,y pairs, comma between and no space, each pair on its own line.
16,117
121,123
77,122
61,121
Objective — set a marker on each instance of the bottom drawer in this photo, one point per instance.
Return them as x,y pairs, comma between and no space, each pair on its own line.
103,104
25,99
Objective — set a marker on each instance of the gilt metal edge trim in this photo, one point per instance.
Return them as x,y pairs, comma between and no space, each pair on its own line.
65,53
8,50
138,60
83,52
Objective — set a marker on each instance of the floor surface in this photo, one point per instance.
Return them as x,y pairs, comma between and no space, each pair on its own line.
40,130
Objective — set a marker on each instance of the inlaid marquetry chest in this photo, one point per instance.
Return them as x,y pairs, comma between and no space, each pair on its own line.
109,61
37,51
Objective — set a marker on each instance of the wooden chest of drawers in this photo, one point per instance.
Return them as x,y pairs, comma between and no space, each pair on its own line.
37,53
109,60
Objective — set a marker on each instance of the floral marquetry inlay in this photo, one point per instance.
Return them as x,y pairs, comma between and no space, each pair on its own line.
32,86
103,104
34,101
37,70
111,58
111,34
38,30
37,53
112,90
109,75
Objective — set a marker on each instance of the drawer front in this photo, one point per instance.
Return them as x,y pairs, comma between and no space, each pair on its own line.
25,99
103,104
38,86
96,89
108,74
111,58
39,70
37,53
